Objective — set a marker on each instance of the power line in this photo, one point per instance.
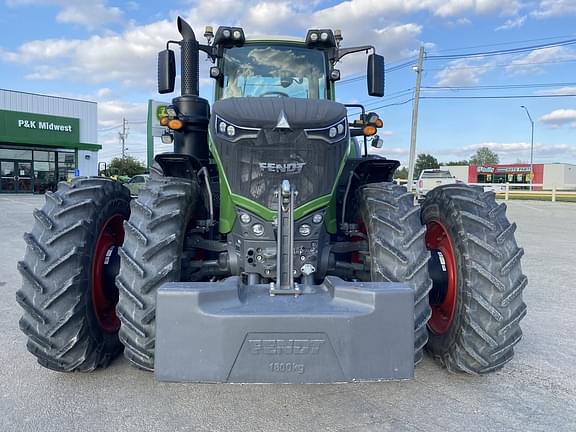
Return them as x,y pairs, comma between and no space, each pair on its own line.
498,96
386,105
499,65
398,67
500,87
503,52
506,43
388,97
109,128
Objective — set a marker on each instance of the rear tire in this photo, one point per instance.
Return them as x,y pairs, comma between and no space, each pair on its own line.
477,297
68,314
151,256
397,249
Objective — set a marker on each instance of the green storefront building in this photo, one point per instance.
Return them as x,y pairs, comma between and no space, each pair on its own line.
45,139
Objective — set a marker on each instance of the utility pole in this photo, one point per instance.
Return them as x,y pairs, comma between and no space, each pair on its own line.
123,136
531,146
412,160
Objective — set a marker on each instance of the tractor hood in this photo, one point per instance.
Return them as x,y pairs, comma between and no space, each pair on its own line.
265,112
278,138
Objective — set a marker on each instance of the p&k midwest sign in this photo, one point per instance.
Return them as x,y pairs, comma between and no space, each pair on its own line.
26,128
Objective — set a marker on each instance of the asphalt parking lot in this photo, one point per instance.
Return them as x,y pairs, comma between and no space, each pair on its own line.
535,392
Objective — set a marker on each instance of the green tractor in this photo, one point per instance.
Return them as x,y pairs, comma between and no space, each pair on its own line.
270,246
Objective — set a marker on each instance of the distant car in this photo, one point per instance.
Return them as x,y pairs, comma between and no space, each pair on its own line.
431,178
136,183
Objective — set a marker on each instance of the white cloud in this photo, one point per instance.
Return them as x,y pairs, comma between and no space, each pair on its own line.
560,117
480,7
531,62
129,57
512,23
42,50
558,92
554,8
90,14
463,72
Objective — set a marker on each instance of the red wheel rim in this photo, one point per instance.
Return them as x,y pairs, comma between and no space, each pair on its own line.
438,239
104,291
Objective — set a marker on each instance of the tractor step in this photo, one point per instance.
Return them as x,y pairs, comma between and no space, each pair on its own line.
335,332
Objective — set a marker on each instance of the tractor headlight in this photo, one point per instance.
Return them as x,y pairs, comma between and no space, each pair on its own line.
171,111
229,37
321,38
304,230
258,230
331,134
232,132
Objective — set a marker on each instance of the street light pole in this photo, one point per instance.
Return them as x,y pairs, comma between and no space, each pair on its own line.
531,146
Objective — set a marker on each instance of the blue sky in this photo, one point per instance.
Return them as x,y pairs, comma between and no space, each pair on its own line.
105,51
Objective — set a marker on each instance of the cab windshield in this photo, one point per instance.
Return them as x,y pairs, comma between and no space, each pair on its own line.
273,71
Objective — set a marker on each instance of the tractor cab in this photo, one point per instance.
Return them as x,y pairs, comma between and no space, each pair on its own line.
272,69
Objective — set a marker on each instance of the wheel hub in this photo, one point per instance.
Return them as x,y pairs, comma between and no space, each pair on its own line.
442,269
105,267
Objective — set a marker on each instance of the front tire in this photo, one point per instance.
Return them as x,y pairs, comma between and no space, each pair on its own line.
151,256
396,247
478,282
68,292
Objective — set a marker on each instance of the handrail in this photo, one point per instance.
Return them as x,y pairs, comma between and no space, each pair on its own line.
511,189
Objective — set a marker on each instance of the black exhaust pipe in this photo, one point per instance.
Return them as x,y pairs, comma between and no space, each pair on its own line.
189,54
195,111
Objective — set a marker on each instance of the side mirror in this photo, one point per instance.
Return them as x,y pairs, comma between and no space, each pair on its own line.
166,71
167,138
375,74
377,142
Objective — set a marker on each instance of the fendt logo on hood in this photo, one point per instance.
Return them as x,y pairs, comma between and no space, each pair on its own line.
290,167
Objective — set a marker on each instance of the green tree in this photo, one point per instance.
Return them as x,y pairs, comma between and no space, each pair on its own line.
401,173
425,161
127,166
484,156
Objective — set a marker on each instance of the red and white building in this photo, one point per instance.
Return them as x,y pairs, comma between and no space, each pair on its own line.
560,175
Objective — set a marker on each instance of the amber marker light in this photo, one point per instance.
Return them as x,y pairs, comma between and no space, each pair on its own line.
379,123
164,121
369,130
175,124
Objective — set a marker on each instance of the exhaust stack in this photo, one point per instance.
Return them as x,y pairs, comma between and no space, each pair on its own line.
190,68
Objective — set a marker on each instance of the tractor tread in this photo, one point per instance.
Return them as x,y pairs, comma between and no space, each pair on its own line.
489,308
35,246
43,219
398,251
55,294
151,256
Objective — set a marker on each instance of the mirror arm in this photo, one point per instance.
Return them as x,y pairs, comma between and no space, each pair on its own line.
171,42
345,51
213,51
356,132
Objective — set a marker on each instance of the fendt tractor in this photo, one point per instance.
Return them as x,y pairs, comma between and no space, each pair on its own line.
270,246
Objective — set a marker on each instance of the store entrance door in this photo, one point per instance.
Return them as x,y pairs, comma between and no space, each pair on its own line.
15,176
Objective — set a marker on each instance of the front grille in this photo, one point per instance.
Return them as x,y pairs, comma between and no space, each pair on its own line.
241,162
